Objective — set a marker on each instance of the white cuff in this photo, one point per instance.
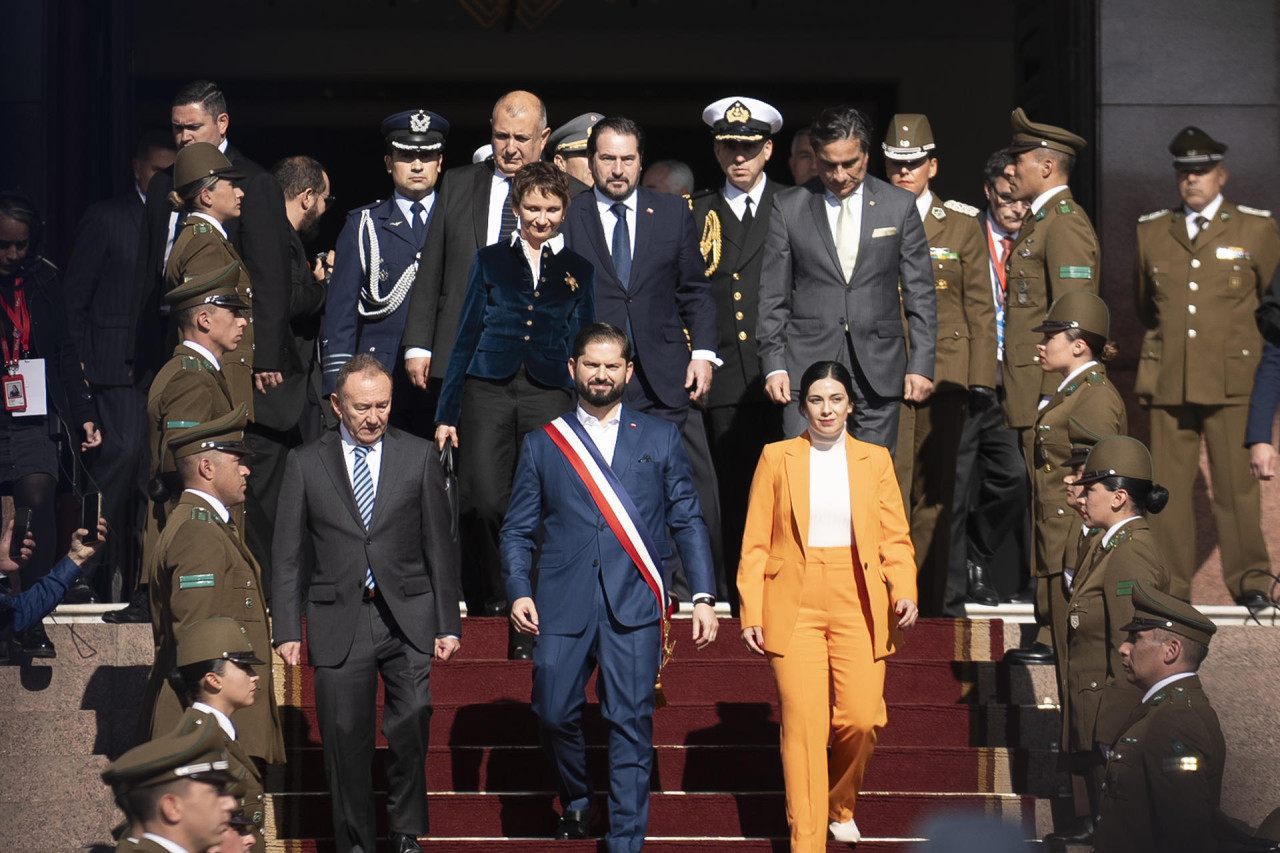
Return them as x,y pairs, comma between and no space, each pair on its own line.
416,352
775,372
707,355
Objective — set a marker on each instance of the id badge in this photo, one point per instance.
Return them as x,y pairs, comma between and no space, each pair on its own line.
31,375
15,393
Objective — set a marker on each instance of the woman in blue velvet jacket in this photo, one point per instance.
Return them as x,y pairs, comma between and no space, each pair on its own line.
526,301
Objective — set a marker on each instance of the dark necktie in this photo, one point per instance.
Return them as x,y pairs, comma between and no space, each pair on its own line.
621,245
508,226
746,216
1201,222
415,221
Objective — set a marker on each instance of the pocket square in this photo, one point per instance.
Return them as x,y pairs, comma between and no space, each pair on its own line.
884,232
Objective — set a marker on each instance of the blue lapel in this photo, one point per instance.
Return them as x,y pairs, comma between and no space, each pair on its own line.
390,219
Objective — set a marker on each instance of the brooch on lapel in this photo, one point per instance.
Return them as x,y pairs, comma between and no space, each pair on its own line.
571,281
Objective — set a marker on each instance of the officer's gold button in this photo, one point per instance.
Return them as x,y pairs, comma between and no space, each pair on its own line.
1191,309
739,315
526,337
530,307
737,295
742,336
736,276
1048,468
1195,263
1191,333
528,322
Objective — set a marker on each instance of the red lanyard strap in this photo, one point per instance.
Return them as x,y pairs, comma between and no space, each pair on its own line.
20,318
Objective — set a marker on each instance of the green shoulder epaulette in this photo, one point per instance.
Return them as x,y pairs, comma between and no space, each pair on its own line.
961,207
200,227
1096,378
199,513
193,362
1065,206
1253,211
1155,214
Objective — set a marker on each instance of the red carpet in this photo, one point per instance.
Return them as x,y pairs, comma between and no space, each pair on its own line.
717,778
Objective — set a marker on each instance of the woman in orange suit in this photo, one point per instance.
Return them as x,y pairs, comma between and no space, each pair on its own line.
828,585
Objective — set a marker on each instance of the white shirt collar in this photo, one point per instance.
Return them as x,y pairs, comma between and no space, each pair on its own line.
1210,211
605,203
1163,683
1111,531
1043,198
405,203
835,201
923,202
171,846
218,506
350,444
1073,374
555,244
732,193
204,351
207,218
222,146
137,187
223,720
611,419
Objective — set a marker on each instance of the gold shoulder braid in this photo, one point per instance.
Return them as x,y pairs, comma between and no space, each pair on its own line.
710,243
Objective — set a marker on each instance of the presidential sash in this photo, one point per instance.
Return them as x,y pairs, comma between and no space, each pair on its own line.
612,500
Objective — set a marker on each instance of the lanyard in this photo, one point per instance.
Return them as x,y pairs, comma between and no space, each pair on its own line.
1001,274
20,317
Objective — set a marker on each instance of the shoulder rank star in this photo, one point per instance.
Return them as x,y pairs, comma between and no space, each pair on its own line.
571,281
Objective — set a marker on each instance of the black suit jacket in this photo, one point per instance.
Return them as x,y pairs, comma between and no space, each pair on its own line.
98,287
735,288
668,298
321,548
260,236
459,227
282,407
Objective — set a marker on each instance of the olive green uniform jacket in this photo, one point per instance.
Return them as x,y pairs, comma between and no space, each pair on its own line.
202,569
1163,781
247,789
1055,251
200,249
1098,699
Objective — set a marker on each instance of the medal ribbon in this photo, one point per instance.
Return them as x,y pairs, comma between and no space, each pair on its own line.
20,318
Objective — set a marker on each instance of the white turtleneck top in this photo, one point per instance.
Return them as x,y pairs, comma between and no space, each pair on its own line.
830,516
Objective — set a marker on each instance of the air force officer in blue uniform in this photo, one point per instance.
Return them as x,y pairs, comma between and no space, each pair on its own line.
594,606
377,253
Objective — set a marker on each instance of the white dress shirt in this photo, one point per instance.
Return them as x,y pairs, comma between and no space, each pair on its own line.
171,846
373,459
499,189
737,199
534,259
223,720
1210,212
405,203
1044,197
833,212
830,513
218,506
603,432
604,206
924,201
204,351
1163,683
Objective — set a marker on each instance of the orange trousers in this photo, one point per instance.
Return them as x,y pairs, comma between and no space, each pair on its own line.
831,690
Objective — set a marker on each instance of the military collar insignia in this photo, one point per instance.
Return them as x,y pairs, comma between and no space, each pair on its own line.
419,122
939,213
1041,214
1122,536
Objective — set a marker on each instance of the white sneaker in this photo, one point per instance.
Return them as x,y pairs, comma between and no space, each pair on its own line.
846,832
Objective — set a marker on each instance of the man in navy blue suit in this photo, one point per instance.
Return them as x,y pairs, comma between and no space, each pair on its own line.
376,261
598,488
651,280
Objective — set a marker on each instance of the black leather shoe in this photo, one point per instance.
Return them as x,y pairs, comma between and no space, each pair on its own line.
574,825
1079,833
139,610
36,643
1036,653
398,842
980,592
1026,595
520,647
80,593
1255,601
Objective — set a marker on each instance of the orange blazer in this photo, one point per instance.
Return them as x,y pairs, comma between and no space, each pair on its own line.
771,572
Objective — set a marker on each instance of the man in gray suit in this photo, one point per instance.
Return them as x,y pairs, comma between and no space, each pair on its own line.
363,531
837,249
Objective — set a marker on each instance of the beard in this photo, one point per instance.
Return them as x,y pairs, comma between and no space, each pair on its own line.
601,398
310,226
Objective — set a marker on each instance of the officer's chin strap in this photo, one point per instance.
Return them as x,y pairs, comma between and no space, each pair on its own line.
1275,581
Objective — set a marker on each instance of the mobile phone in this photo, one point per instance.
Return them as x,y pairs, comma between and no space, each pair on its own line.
90,511
21,530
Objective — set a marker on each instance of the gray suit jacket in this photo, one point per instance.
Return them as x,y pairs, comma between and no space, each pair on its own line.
321,547
808,312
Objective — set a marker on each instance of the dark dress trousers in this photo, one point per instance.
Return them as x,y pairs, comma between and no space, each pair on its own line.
508,374
809,310
260,236
594,607
321,552
98,290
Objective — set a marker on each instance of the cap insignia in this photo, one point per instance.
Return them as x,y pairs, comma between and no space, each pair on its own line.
419,122
738,113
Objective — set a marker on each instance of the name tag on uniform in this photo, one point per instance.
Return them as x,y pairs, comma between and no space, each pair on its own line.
884,232
943,254
31,375
1233,253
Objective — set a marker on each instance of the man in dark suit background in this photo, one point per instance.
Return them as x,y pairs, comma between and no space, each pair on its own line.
590,605
734,221
651,281
837,249
98,291
363,549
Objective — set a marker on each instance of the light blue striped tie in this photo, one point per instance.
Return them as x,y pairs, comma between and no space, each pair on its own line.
364,498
